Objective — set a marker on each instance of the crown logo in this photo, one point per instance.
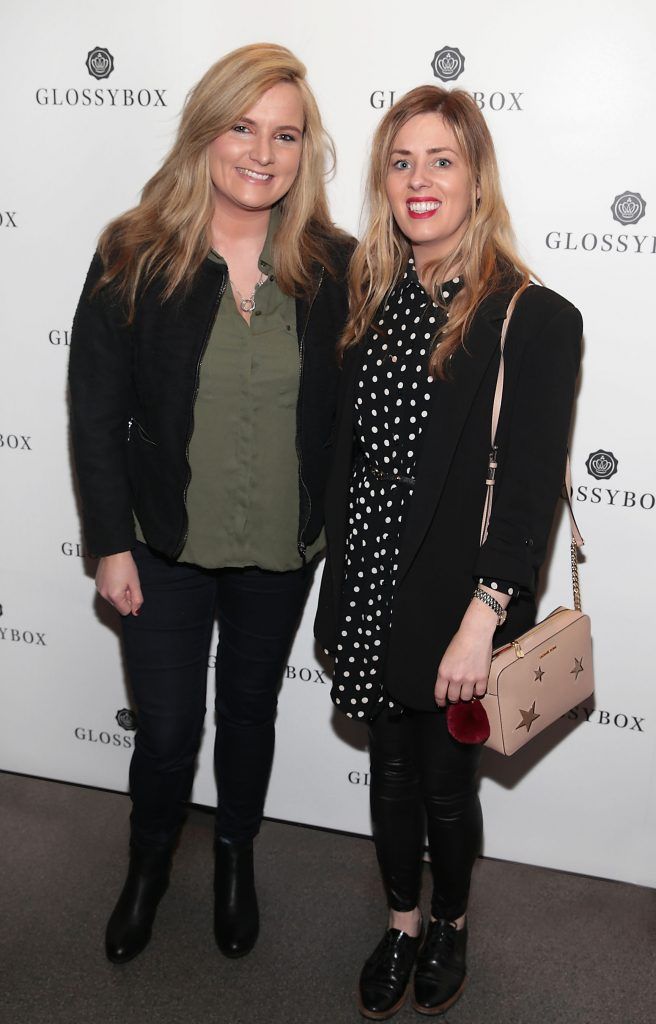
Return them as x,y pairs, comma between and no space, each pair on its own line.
448,63
99,62
601,464
628,208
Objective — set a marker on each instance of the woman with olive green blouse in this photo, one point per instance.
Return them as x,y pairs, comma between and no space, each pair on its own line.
203,379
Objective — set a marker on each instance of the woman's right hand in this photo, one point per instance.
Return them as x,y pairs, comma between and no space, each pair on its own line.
117,580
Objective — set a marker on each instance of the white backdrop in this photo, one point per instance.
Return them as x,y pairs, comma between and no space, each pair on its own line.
567,94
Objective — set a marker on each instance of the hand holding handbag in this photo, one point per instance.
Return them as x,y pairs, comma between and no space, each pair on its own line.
540,676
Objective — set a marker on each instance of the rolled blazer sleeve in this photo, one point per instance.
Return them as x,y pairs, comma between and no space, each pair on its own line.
533,452
100,374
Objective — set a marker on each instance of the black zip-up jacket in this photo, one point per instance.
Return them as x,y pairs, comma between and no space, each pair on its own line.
133,388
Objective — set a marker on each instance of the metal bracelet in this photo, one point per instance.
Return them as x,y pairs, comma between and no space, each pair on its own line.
491,602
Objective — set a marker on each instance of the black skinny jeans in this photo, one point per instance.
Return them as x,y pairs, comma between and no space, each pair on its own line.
421,775
166,650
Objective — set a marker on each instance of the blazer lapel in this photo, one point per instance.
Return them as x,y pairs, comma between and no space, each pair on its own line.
452,401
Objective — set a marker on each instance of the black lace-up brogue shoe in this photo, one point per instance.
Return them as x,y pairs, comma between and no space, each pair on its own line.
441,968
386,974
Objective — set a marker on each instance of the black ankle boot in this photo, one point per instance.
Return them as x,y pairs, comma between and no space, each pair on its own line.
129,927
441,968
236,916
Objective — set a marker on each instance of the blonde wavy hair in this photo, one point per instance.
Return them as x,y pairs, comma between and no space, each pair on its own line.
486,257
168,232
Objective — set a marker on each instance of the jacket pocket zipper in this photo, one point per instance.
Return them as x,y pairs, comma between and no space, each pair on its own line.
142,433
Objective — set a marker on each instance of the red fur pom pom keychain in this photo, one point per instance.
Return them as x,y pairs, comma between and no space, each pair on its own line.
467,721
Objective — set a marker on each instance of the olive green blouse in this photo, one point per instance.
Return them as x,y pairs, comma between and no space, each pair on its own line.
243,498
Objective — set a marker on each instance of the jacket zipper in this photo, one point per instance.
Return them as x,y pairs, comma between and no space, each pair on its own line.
190,428
142,433
302,547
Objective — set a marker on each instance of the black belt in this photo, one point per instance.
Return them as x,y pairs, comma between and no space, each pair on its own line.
381,474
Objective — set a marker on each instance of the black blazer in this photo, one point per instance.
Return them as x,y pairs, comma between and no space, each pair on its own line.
440,555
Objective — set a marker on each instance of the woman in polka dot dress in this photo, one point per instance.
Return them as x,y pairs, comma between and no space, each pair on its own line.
392,405
410,602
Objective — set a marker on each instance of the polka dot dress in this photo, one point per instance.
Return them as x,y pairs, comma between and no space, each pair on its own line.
392,405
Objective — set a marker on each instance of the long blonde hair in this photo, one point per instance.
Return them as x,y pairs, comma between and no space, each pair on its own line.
485,257
168,232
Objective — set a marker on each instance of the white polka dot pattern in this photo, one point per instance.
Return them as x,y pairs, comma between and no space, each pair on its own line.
392,405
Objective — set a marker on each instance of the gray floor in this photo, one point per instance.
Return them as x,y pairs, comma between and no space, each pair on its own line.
545,946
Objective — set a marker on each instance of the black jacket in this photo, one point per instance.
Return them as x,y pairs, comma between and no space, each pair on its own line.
439,555
133,390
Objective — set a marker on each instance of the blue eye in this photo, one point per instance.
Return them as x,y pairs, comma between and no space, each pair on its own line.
442,162
401,165
241,129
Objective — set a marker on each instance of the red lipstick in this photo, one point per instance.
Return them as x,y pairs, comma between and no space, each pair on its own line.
419,203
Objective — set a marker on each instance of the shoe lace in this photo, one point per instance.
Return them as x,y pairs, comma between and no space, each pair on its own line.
440,940
389,953
389,946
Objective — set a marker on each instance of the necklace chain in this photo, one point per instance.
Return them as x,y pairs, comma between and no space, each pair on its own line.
247,305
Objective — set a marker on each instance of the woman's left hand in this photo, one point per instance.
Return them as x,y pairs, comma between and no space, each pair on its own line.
465,666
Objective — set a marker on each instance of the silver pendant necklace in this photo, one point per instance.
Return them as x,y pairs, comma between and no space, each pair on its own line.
247,305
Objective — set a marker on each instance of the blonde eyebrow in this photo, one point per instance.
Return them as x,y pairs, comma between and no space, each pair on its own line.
429,152
279,128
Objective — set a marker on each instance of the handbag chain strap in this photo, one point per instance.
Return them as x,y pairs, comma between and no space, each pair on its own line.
577,539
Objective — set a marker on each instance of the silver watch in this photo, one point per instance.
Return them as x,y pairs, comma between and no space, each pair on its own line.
492,603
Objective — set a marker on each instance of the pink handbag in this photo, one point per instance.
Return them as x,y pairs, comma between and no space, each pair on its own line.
540,676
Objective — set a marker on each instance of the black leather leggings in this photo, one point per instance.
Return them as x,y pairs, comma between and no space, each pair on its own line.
420,777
